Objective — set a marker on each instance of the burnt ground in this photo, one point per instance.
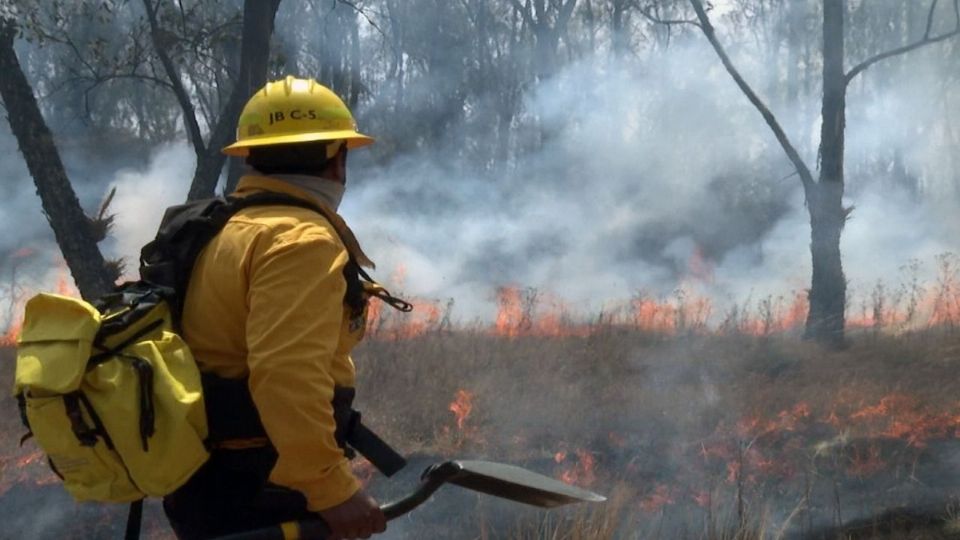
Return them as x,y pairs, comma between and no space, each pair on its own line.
692,437
927,523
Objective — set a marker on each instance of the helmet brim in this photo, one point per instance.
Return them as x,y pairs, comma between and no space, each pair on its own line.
353,138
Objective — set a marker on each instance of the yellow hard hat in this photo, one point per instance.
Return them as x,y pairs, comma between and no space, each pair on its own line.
294,110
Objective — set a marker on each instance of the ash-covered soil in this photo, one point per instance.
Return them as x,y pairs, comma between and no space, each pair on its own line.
692,437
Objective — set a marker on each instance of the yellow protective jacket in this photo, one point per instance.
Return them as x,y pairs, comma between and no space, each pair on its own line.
265,300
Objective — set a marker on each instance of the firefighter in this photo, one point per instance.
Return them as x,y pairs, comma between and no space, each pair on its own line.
268,319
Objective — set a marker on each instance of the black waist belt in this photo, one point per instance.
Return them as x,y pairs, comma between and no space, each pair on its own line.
231,414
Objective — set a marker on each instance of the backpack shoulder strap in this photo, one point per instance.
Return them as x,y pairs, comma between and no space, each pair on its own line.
168,260
353,272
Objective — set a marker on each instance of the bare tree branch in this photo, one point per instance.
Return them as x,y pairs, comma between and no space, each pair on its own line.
648,14
363,13
566,11
933,9
923,42
524,12
183,98
806,177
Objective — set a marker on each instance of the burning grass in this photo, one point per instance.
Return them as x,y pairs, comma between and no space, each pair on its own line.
704,436
736,432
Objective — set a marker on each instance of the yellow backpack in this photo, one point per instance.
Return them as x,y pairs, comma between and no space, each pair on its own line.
108,389
111,394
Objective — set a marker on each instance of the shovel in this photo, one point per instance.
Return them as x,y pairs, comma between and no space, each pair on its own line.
504,481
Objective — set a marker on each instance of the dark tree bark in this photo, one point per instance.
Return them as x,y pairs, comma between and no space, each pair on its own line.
620,38
828,288
356,81
72,229
547,21
258,18
794,37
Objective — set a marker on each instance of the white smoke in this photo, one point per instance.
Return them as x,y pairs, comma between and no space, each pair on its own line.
632,181
143,195
632,152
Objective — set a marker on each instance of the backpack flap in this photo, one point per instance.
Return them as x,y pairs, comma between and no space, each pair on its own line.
113,397
55,344
52,355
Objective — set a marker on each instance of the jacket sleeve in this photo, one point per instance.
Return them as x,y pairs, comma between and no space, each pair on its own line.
295,312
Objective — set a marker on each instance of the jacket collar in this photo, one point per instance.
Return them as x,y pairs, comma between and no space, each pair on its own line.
253,183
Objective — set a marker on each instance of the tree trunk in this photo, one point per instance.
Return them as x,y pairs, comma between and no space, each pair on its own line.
71,227
619,38
258,17
356,79
828,289
793,38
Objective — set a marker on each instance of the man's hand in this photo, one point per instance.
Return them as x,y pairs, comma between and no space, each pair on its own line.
357,517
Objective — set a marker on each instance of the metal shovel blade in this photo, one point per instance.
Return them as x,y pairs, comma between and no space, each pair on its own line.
504,481
512,482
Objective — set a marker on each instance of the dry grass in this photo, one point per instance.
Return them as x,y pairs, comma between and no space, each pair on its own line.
641,405
663,419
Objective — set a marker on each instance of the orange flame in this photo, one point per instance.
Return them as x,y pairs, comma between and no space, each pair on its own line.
461,407
399,276
65,285
509,313
946,309
23,253
531,313
866,463
662,496
699,267
581,473
752,427
651,316
28,468
733,471
702,498
9,338
776,317
65,288
394,326
898,416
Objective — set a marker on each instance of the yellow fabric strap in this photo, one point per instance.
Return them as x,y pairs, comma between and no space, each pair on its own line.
346,235
252,182
291,530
